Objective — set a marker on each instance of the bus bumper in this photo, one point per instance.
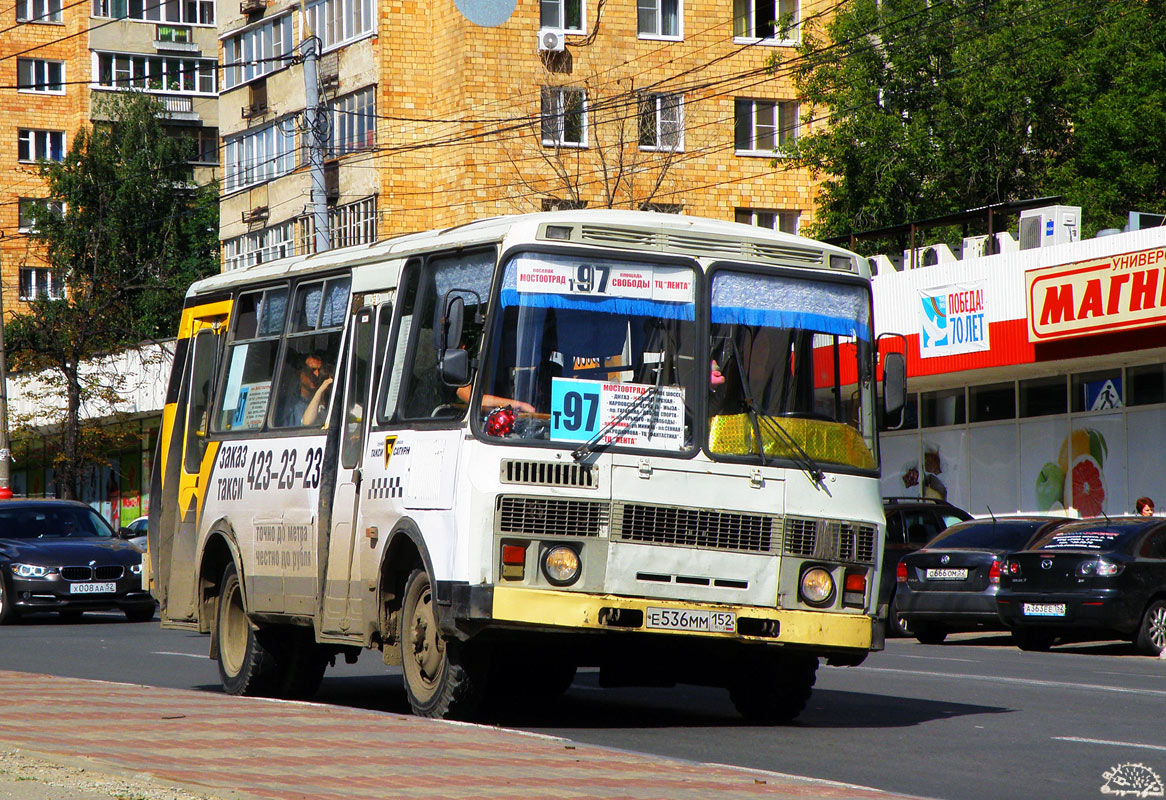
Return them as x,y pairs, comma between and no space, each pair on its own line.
575,611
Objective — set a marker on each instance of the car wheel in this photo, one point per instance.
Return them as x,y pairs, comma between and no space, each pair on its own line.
1152,634
1032,639
443,678
144,614
8,612
774,689
896,625
929,632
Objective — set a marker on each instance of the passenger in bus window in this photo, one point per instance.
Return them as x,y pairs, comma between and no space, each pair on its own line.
305,406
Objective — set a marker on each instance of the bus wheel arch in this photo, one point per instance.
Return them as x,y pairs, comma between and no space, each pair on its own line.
405,552
219,550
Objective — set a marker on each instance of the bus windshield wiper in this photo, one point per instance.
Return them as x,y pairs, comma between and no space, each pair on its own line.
639,407
803,459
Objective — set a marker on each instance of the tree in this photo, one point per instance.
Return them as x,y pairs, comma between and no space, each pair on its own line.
126,232
936,106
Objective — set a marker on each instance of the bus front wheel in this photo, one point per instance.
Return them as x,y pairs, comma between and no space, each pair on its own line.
774,689
443,678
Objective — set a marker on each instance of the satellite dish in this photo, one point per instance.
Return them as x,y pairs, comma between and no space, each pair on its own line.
487,13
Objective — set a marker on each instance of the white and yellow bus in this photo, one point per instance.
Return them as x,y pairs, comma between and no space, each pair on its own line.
639,442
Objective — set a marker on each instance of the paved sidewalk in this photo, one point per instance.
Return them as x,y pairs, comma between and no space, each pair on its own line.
246,749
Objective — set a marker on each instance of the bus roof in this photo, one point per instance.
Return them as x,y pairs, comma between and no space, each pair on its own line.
620,229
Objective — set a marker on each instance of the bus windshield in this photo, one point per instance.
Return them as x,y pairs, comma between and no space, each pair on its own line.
791,370
590,348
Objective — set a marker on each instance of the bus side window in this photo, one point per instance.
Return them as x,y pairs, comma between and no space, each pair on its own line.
359,367
246,387
202,372
313,346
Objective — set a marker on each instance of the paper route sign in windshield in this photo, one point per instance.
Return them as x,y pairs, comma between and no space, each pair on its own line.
580,409
606,279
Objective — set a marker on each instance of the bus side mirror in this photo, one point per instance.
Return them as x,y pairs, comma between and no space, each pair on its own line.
454,367
894,382
452,321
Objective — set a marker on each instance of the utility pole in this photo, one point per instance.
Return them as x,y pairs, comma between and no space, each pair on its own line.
316,122
5,455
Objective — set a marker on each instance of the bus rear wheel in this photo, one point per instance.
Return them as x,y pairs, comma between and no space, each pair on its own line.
275,661
443,678
774,689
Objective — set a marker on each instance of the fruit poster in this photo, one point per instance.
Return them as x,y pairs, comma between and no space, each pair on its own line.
1085,470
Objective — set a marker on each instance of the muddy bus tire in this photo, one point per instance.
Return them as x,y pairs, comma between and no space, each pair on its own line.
775,689
246,667
443,678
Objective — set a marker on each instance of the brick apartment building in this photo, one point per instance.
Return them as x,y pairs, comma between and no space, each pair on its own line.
438,118
58,57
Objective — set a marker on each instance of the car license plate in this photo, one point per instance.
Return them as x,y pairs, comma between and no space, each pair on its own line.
92,588
947,574
691,619
1043,609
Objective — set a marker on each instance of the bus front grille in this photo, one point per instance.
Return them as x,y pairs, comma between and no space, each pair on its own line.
548,473
830,540
693,527
544,516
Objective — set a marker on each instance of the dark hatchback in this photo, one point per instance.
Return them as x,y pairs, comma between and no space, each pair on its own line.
62,556
950,584
1091,579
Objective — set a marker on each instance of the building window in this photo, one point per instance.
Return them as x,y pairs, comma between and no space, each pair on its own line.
156,73
1096,391
1040,397
173,34
942,408
259,155
203,143
39,75
337,22
562,204
1146,385
40,282
26,206
764,127
662,122
38,10
992,402
564,117
659,18
771,21
565,15
257,51
38,145
187,12
354,122
258,247
784,221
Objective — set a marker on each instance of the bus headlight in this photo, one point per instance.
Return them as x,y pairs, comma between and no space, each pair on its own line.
560,565
816,586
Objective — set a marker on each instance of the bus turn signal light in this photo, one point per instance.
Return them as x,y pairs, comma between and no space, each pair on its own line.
513,562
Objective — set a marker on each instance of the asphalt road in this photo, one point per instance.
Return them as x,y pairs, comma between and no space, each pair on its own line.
972,719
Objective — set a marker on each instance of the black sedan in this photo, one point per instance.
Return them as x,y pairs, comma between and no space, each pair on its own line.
1089,580
950,584
62,556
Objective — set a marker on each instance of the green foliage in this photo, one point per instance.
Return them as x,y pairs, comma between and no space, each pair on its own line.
134,234
937,106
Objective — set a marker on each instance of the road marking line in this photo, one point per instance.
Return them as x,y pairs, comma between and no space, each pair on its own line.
1017,681
1107,741
188,655
938,658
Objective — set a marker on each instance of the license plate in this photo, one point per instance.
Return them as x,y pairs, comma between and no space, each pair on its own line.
691,619
947,574
92,588
1043,609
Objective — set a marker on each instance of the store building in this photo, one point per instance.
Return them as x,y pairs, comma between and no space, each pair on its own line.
1037,375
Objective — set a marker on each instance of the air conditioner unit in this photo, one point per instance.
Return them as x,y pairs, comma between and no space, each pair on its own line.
551,40
927,256
976,247
257,214
1139,220
1041,227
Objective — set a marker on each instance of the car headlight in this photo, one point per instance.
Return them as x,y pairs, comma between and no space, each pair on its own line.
561,565
817,586
33,571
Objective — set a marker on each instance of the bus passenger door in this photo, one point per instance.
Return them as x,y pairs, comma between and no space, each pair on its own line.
341,598
178,559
